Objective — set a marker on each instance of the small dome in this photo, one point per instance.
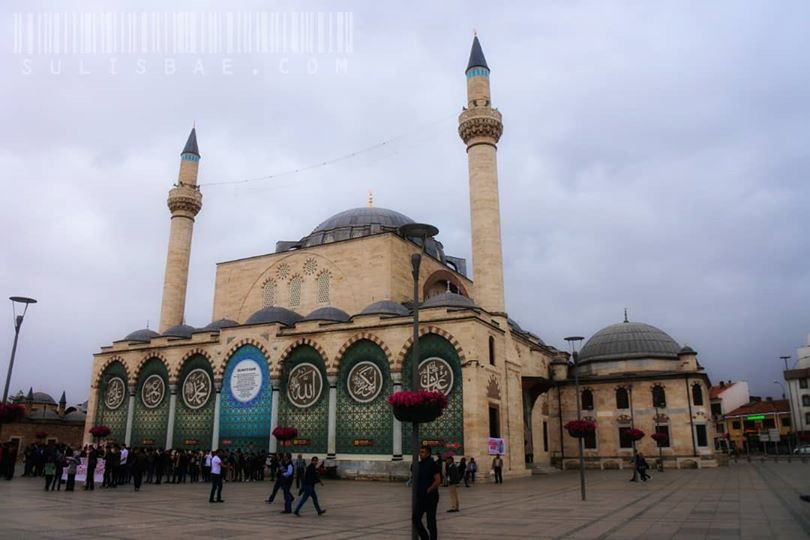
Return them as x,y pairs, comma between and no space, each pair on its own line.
42,397
144,335
274,315
216,326
328,314
75,416
43,414
386,307
686,349
448,299
179,331
628,340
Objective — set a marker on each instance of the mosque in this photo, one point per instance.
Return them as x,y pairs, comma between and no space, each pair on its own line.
317,334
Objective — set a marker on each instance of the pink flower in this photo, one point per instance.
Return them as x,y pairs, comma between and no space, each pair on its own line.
99,431
408,398
285,433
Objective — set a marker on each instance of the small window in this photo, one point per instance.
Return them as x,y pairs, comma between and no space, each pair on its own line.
697,394
665,431
622,398
769,423
807,418
735,424
720,428
587,400
295,291
749,424
702,438
494,423
624,441
269,294
802,383
590,441
805,400
323,288
786,421
659,397
491,351
717,409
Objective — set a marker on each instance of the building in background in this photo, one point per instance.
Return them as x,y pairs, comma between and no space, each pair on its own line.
753,426
725,397
45,421
798,380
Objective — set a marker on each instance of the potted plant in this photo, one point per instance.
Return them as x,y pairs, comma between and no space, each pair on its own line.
285,434
580,428
9,412
417,406
99,432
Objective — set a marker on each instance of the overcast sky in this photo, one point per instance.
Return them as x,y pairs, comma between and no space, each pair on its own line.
654,157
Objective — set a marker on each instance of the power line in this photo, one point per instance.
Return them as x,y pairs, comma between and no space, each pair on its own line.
332,161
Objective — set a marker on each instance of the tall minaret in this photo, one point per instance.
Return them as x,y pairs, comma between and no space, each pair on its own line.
480,128
185,201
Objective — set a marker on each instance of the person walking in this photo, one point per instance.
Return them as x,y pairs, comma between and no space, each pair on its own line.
462,472
286,474
50,471
472,468
300,469
428,478
453,478
139,465
310,479
60,466
92,461
497,466
216,477
279,468
642,466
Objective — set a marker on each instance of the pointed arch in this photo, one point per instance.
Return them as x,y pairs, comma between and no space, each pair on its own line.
219,371
197,351
148,356
359,337
276,370
400,360
107,363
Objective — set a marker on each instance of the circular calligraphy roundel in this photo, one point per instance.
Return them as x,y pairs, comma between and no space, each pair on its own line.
152,391
115,392
196,388
304,385
436,375
365,382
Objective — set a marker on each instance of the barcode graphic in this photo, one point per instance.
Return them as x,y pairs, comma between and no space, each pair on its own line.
178,33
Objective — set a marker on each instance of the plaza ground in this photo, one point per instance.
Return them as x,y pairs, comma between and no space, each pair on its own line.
745,500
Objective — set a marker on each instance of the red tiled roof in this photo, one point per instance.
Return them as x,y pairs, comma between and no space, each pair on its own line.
715,391
762,407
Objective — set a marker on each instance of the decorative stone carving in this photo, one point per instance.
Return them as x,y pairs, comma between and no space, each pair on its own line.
197,388
480,123
436,375
493,389
310,266
283,271
153,391
185,200
304,385
114,393
365,382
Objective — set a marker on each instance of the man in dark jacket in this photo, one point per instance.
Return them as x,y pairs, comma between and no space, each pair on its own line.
139,465
310,479
92,461
428,478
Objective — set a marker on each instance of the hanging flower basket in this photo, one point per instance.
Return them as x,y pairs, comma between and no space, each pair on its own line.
417,407
41,434
634,434
580,428
99,431
9,412
285,433
661,438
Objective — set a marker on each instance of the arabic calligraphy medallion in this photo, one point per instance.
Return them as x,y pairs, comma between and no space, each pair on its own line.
196,388
304,386
365,382
152,391
114,396
436,375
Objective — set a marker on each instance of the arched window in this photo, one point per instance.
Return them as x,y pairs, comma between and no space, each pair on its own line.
697,394
659,397
622,398
323,288
587,400
491,350
295,291
269,299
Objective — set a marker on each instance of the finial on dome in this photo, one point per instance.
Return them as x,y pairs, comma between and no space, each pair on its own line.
625,316
370,199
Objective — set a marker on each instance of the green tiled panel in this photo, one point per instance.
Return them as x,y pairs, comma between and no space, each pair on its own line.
449,427
370,421
115,419
245,425
150,425
312,422
194,424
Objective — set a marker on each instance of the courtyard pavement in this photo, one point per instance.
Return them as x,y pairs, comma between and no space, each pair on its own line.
746,500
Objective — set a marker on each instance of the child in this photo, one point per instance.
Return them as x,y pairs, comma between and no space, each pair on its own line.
50,471
72,465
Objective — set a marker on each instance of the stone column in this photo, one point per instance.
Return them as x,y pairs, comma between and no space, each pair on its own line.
396,378
330,444
172,409
130,415
215,434
276,385
92,411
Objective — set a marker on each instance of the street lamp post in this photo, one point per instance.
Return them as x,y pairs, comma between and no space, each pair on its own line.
792,420
18,320
421,231
574,341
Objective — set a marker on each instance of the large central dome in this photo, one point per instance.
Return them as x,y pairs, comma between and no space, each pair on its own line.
629,340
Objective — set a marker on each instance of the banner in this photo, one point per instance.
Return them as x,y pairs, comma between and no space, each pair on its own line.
81,471
496,446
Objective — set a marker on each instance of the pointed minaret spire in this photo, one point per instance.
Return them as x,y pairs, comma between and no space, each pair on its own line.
625,316
480,127
185,201
30,396
63,400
